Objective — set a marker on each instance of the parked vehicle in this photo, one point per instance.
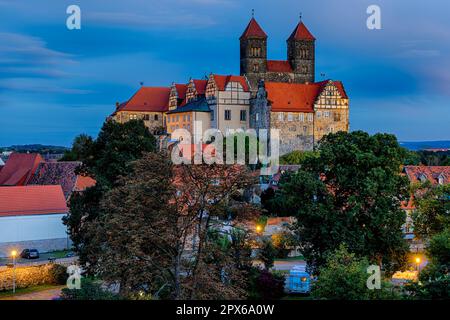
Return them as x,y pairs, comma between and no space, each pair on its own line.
298,280
30,254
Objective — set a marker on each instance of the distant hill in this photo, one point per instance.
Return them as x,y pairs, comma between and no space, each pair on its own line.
35,148
421,145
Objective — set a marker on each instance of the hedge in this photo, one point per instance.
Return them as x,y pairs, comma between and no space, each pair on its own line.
33,276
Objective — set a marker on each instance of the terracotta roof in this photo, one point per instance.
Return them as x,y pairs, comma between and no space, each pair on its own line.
32,200
297,97
253,30
222,81
19,168
279,66
181,90
301,33
338,85
200,86
84,182
56,173
148,99
292,97
415,174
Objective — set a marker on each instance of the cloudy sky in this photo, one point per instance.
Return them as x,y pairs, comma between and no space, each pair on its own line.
56,83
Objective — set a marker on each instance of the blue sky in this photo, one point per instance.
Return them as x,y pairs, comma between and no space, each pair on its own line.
56,83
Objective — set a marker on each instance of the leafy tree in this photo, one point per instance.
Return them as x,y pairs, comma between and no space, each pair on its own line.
283,242
297,157
90,290
82,149
434,279
351,193
265,285
412,158
266,200
344,277
267,253
432,214
105,159
155,231
116,146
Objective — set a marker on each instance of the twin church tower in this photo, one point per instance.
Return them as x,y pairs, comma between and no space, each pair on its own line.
298,68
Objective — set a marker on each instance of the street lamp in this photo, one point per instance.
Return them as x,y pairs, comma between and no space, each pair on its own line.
258,228
13,255
418,263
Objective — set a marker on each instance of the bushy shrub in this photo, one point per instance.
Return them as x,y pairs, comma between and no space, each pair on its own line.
32,276
90,290
265,285
58,274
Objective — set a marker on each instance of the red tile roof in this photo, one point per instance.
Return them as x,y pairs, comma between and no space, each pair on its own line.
222,81
57,173
181,90
148,99
200,86
301,33
431,173
292,97
279,66
19,168
32,200
297,97
253,30
84,182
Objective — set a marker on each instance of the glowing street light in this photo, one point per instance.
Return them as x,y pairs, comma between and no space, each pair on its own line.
13,255
418,260
258,228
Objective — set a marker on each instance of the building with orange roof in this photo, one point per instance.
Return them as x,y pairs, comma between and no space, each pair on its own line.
19,169
268,94
31,217
148,104
303,112
228,97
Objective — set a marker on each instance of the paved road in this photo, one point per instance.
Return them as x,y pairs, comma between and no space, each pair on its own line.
27,263
48,294
282,265
288,265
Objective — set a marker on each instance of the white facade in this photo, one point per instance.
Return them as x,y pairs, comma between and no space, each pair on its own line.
32,227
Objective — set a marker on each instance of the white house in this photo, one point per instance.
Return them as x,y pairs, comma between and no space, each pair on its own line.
31,217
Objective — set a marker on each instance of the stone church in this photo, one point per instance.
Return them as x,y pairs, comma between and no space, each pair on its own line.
285,94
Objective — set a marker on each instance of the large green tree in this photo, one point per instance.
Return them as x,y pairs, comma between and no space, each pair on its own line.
158,231
105,159
432,213
344,277
351,193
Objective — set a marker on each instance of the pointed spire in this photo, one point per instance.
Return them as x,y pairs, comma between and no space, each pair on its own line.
253,30
301,32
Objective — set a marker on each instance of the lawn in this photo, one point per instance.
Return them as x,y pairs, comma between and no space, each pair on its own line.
7,294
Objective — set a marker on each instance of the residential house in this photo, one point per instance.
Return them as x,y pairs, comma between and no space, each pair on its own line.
148,104
31,217
63,174
435,175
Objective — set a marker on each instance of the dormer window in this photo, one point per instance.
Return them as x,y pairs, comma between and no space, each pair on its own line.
423,178
441,179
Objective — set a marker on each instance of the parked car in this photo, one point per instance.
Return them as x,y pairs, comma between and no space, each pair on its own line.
29,254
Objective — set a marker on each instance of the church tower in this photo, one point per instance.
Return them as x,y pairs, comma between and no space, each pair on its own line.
301,54
253,53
